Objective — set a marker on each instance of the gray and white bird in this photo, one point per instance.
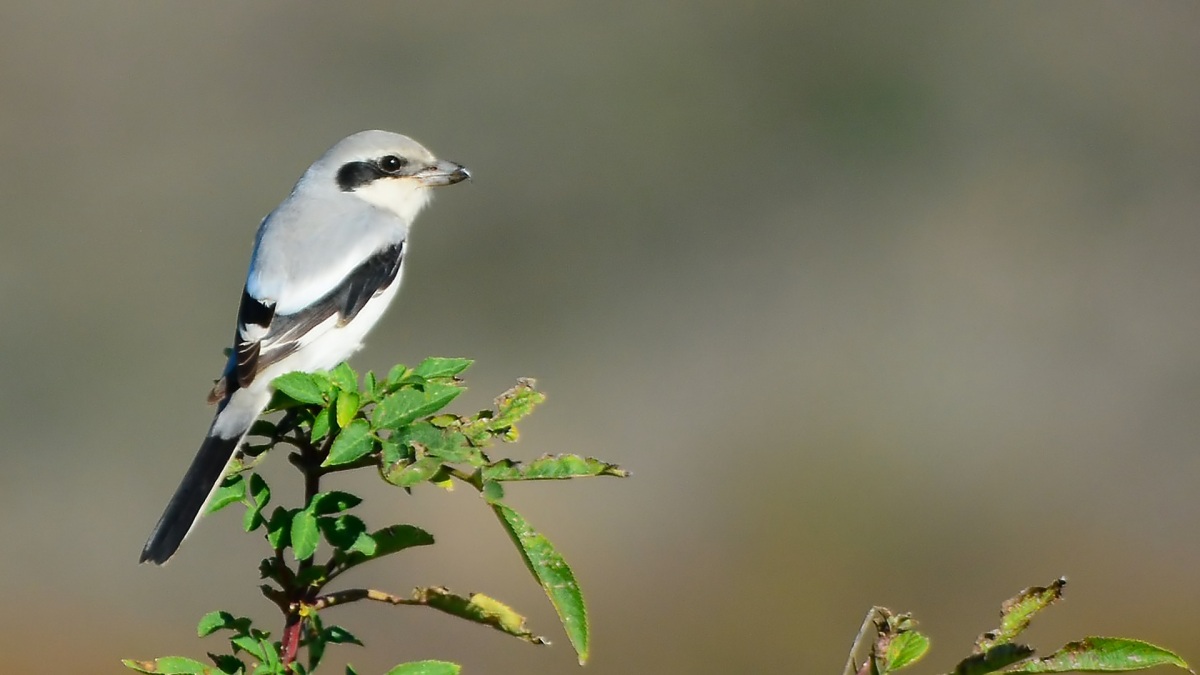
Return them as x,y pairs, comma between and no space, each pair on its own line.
326,263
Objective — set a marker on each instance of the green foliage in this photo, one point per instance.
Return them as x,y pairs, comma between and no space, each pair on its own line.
897,644
397,428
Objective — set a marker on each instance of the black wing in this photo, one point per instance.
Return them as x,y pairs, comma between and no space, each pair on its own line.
264,337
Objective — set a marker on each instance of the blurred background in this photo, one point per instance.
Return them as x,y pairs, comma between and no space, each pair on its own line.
887,304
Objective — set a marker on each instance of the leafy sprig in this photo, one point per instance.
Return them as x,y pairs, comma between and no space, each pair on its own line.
334,422
896,644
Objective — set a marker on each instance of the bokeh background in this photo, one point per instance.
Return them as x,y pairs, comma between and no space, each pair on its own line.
888,303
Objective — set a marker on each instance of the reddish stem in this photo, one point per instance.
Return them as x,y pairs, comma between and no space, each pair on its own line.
290,642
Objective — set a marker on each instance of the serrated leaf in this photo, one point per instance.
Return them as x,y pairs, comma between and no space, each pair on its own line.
551,467
279,527
511,406
343,377
480,609
906,649
228,664
449,445
492,491
353,442
169,665
515,404
335,501
435,367
396,373
232,490
260,495
392,453
347,407
301,387
389,540
553,574
340,636
260,492
221,620
993,660
304,535
342,532
251,645
421,668
1018,611
1102,654
408,404
322,424
264,428
412,474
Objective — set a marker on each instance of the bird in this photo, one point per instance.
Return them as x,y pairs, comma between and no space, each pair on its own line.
325,265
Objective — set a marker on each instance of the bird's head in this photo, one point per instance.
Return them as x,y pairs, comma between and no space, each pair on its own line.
387,170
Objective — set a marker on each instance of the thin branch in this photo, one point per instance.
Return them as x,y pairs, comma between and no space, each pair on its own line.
356,594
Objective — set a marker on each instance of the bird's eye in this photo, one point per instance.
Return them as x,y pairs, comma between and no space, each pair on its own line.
392,163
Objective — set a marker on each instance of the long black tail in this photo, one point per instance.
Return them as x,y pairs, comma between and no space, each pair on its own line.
185,507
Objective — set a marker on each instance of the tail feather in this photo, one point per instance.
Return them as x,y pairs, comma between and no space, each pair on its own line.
190,498
234,417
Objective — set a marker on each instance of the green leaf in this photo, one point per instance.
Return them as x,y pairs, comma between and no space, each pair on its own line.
232,490
554,575
511,406
492,491
304,535
260,492
322,424
408,404
441,367
251,645
353,442
169,665
1018,611
340,636
993,660
260,495
336,501
1102,654
301,387
221,620
422,668
228,663
279,527
480,609
264,428
392,453
347,407
389,540
344,531
371,386
449,445
396,375
551,467
343,377
906,649
411,474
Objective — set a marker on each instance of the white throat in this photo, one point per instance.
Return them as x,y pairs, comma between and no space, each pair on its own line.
403,197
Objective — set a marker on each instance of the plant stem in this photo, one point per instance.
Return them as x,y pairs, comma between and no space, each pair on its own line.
308,462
